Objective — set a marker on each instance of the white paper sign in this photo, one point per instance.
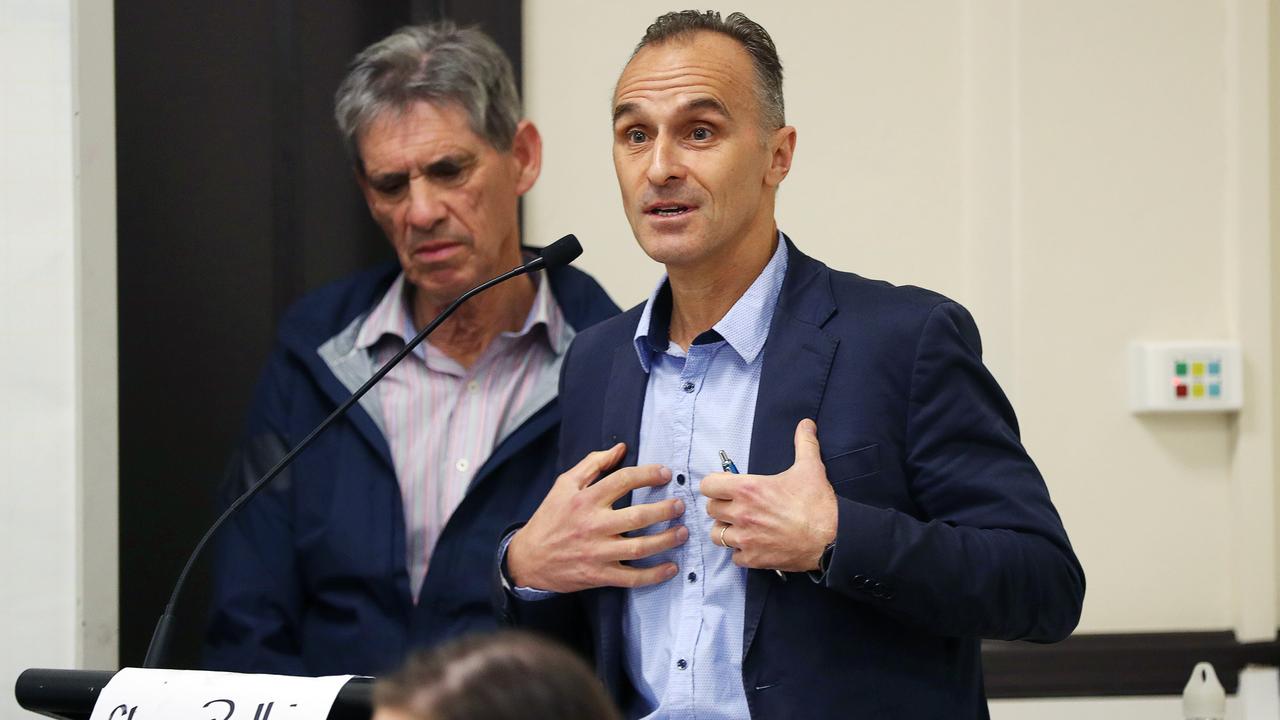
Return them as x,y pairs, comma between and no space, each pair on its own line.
138,694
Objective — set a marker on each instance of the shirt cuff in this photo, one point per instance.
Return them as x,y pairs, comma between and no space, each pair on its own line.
523,593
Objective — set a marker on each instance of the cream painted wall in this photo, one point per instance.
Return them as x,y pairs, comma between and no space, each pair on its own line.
58,439
1079,174
97,362
1274,124
37,261
1146,708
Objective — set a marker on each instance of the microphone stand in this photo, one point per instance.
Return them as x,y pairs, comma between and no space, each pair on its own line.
558,253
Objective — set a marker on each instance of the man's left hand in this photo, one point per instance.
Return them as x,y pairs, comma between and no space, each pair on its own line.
782,521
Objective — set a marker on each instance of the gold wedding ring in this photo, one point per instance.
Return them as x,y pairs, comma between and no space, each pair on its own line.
723,529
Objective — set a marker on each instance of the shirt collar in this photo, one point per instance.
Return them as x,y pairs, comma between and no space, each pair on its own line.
393,316
745,327
546,313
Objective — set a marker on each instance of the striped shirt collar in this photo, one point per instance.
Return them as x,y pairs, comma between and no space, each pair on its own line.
393,315
745,327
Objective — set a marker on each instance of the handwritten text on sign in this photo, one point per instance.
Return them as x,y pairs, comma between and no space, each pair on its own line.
137,694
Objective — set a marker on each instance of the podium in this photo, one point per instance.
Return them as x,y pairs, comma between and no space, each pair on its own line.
70,694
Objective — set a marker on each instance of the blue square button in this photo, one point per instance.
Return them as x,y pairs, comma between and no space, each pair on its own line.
1215,390
1215,367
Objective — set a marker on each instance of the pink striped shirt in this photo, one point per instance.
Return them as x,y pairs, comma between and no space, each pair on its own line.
442,420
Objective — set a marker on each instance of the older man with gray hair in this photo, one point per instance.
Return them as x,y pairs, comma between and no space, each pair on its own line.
379,537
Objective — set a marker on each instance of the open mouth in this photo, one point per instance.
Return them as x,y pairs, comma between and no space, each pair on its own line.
669,210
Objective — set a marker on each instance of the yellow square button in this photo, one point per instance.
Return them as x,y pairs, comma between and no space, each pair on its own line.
1197,390
1197,368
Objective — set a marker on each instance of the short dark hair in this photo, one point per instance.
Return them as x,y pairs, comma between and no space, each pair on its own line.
509,675
754,39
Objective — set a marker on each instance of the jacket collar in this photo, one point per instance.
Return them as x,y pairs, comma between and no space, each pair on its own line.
324,315
806,291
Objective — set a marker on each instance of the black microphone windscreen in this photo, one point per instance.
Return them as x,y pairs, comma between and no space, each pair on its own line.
561,252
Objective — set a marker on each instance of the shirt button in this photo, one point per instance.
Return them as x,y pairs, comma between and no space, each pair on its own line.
463,465
473,386
682,664
680,479
688,386
693,577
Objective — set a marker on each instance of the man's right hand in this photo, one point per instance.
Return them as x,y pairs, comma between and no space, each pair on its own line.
574,541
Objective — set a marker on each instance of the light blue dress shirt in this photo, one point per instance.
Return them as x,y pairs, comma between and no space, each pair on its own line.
684,636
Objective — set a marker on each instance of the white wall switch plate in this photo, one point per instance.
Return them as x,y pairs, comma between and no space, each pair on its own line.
1185,376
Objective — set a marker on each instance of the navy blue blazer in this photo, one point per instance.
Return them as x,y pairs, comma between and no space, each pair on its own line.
946,531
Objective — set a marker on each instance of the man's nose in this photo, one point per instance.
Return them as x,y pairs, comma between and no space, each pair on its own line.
426,209
666,161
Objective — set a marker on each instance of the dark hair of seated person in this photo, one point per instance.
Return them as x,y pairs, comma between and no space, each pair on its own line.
498,676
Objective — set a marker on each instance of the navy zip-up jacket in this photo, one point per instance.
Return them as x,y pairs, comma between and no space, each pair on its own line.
311,577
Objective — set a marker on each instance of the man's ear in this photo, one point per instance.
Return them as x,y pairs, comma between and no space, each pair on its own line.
782,147
526,153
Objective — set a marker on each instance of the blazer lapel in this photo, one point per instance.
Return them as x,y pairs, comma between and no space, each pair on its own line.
623,407
797,360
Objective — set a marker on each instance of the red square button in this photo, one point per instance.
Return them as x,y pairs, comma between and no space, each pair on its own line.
1180,389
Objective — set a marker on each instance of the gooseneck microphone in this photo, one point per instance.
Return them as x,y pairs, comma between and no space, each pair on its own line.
557,254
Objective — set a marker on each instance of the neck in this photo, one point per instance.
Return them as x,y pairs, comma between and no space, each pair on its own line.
465,335
701,296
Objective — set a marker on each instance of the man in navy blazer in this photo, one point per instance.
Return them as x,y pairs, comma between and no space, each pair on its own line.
854,565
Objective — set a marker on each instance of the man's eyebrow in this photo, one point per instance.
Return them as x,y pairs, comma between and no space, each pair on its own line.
705,103
449,163
711,104
623,109
387,177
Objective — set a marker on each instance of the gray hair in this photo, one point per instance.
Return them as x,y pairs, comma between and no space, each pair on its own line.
438,63
754,39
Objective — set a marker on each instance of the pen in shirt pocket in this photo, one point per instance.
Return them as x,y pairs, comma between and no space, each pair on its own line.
727,465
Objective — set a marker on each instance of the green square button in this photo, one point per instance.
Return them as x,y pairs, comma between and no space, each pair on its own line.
1180,368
